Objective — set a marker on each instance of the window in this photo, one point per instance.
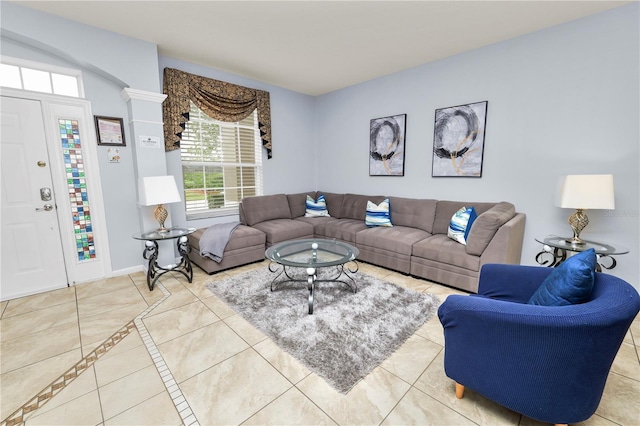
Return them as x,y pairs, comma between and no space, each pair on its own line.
26,75
221,164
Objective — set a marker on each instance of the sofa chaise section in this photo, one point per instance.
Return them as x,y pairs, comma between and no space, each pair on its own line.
246,245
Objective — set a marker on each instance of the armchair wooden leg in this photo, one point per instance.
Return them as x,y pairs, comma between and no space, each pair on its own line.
459,391
561,424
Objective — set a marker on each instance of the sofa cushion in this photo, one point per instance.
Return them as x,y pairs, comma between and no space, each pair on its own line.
355,206
461,223
343,229
334,203
297,202
446,209
442,249
486,226
413,213
278,230
378,214
569,283
316,221
265,207
316,208
399,239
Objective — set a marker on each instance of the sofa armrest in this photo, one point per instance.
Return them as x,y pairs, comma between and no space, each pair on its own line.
241,214
506,244
486,225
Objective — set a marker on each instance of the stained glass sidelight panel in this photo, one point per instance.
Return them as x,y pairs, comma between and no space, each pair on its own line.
77,185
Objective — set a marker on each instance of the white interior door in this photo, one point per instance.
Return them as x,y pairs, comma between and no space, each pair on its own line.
32,254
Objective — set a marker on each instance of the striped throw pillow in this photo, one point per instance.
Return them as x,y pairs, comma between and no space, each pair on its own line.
316,208
378,215
460,224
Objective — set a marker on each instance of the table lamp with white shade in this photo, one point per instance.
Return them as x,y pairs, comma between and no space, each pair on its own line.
158,190
582,192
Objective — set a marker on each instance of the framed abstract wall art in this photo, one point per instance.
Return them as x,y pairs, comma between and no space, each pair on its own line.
458,140
386,145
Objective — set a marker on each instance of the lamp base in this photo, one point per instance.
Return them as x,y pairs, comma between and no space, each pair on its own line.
578,221
161,214
575,241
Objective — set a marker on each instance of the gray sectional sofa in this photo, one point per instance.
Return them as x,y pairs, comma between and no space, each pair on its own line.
417,244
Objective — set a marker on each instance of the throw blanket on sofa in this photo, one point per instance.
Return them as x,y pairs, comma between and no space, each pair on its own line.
214,240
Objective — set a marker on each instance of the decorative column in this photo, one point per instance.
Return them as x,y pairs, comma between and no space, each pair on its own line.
149,158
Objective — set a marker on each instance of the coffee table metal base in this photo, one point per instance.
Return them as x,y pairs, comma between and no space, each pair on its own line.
312,278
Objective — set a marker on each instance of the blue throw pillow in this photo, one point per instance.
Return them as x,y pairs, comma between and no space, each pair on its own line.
378,215
316,208
460,224
569,283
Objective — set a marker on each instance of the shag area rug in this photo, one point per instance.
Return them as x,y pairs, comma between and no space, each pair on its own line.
348,335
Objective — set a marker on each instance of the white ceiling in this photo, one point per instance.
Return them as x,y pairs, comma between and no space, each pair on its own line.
316,47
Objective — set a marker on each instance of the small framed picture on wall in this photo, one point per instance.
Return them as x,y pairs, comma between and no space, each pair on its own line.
110,131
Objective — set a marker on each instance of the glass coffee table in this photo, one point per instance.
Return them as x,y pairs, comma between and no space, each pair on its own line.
312,254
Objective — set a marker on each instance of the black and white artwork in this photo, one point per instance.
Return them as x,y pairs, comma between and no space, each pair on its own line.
386,146
458,140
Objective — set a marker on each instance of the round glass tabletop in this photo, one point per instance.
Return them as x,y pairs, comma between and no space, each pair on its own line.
170,234
312,253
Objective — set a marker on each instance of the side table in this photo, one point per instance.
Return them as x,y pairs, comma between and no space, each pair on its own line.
556,250
150,253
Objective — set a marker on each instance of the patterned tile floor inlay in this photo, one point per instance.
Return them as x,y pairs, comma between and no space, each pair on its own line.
181,404
69,376
44,396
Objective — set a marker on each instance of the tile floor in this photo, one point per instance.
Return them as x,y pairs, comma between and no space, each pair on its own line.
78,355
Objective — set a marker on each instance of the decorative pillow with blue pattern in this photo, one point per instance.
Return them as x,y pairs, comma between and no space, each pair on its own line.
460,224
378,215
316,208
568,284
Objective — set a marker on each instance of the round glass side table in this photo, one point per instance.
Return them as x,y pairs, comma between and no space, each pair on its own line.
150,253
556,250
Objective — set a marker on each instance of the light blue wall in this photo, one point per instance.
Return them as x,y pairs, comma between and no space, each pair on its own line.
561,101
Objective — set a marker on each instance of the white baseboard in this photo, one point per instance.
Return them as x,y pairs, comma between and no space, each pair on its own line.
127,271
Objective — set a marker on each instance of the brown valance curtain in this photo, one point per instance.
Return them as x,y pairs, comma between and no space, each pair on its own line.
219,100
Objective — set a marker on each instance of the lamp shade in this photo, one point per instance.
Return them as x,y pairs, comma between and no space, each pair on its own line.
586,192
158,190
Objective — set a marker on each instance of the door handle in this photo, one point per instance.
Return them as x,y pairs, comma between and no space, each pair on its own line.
46,207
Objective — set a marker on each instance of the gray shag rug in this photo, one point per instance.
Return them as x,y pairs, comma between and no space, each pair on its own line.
348,335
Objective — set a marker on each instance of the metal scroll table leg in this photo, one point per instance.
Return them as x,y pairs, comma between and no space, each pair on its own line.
554,257
311,280
155,271
151,253
184,267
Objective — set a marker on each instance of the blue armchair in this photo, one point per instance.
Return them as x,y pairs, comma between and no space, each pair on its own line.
547,363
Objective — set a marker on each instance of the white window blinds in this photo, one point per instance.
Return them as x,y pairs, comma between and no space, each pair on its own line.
221,164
